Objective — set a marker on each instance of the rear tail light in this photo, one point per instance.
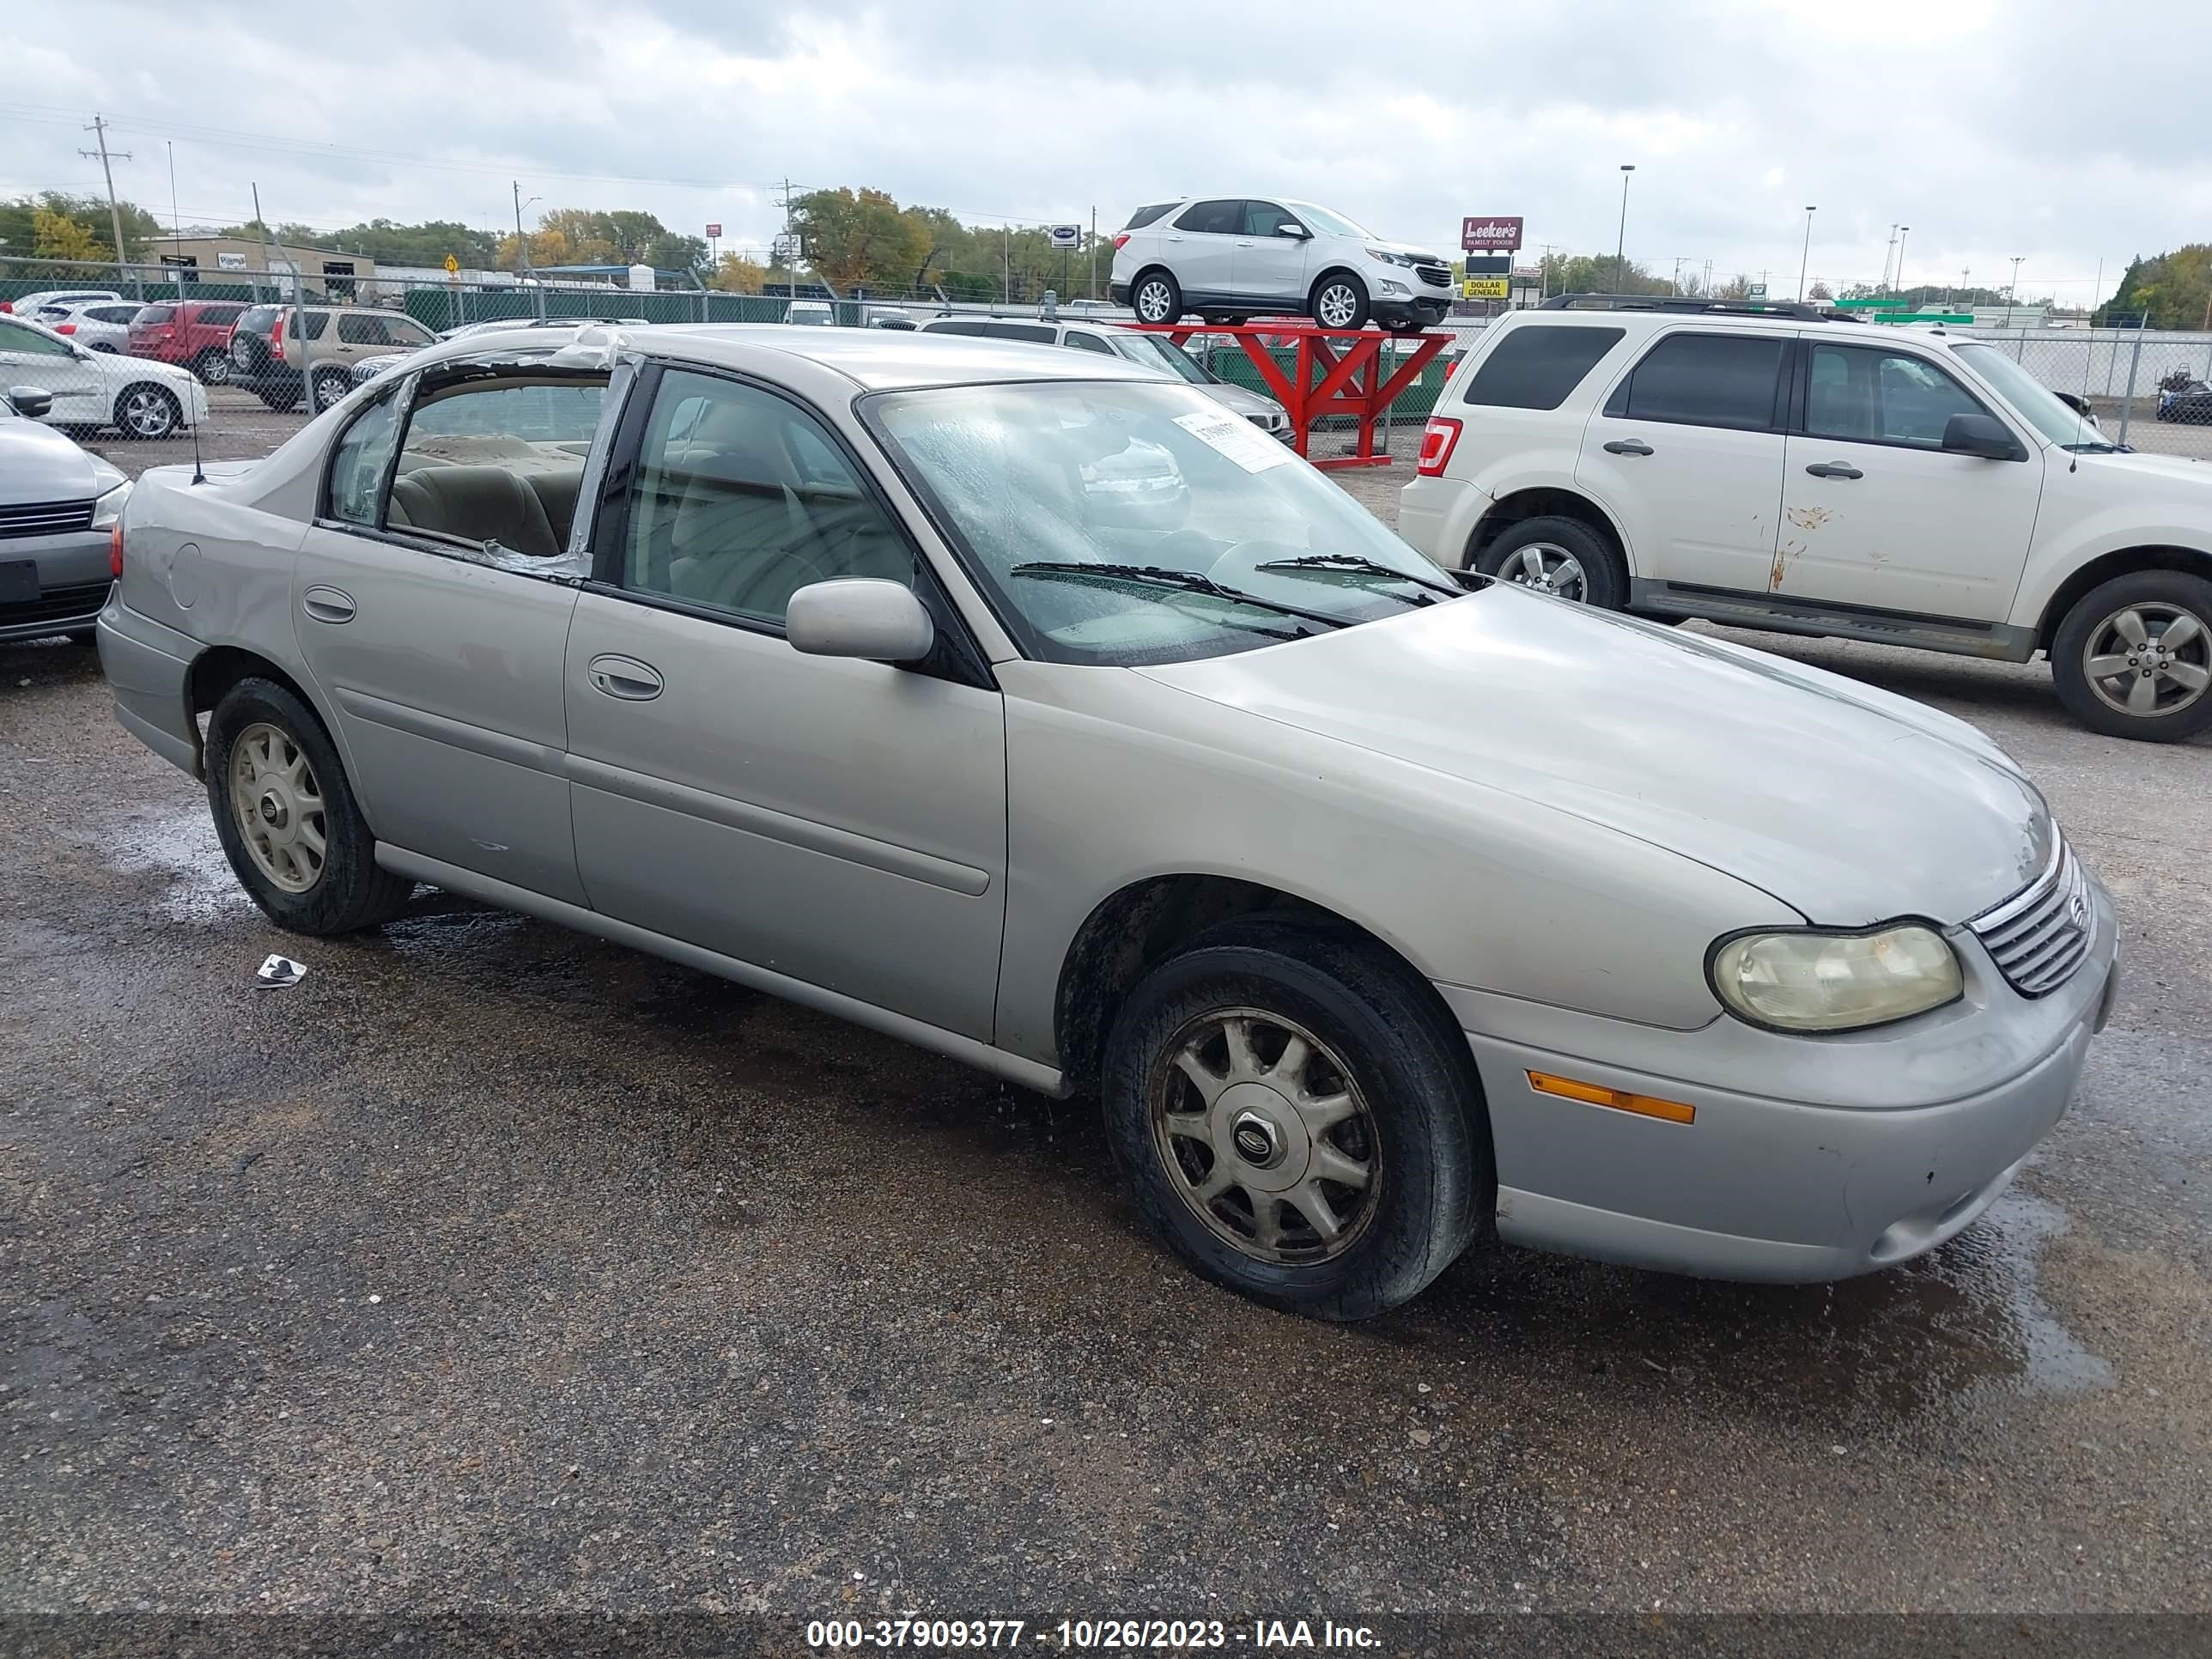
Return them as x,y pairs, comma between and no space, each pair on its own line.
1121,242
64,328
115,550
1438,439
277,339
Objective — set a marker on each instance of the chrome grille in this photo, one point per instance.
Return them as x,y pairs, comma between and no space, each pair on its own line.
1434,276
45,517
2039,936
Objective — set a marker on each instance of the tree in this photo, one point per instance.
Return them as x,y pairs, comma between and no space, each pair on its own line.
853,238
57,236
389,243
2169,290
1820,291
736,274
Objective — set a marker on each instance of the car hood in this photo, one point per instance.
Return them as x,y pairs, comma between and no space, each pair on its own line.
1244,400
39,464
1848,804
2164,469
1426,256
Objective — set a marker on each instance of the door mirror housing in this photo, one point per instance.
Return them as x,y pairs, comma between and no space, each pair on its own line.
1289,228
867,618
1981,435
31,402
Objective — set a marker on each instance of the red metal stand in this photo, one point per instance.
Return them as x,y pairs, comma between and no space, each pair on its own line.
1349,379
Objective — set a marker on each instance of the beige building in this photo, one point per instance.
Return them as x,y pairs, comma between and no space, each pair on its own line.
333,272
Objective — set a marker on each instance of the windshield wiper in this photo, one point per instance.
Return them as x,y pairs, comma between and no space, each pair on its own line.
1358,562
1189,580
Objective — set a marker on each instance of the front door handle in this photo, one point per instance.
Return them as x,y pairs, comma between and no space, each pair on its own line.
626,678
328,604
1835,470
1628,446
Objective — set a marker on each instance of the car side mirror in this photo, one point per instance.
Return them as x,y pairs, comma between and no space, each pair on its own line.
867,618
1981,435
1298,231
31,402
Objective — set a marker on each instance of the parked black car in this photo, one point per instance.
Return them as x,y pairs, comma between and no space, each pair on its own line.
2190,403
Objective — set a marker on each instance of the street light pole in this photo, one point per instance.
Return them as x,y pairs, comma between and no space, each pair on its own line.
1805,258
2014,291
1620,244
1903,231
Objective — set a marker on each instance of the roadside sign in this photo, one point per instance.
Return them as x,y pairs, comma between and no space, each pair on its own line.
1755,291
452,266
1483,288
230,261
1067,235
1487,264
1489,235
785,250
714,232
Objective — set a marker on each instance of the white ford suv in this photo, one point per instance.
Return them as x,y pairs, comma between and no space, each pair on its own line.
1228,258
1764,467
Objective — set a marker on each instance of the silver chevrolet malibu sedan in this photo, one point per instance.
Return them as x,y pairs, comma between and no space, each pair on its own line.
1041,712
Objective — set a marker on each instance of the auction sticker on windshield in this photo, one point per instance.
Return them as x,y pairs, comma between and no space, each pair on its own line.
1237,438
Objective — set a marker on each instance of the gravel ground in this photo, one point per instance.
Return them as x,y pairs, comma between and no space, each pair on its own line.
491,1266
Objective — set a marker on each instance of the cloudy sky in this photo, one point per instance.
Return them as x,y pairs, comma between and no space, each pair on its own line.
2065,133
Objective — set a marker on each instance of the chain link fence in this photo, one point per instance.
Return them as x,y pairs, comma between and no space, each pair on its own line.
2150,389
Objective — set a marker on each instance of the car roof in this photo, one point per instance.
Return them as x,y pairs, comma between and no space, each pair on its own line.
1830,328
872,359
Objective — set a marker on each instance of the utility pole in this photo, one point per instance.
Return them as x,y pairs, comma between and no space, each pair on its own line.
1902,232
1094,256
1620,242
1805,258
2014,291
522,250
99,128
1888,254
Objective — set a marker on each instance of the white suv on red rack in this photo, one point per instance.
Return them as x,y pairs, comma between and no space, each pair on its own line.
1764,467
1228,258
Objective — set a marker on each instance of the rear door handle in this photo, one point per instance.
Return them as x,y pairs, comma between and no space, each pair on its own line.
1628,446
626,678
328,604
1834,469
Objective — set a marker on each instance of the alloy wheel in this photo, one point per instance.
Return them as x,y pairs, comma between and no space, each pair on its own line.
328,388
1337,306
1547,568
215,370
2148,660
1265,1134
147,412
278,807
1152,302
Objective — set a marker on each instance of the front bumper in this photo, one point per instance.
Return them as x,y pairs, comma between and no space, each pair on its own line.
1801,1184
73,583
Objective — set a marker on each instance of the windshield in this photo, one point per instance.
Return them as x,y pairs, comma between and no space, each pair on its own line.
1155,353
1127,523
1334,223
2035,403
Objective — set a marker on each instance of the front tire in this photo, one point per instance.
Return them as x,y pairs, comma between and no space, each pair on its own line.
332,386
1298,1119
213,368
1156,297
1340,300
147,413
2133,659
287,817
1559,555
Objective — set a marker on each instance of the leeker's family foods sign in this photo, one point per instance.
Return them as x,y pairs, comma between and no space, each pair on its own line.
1490,235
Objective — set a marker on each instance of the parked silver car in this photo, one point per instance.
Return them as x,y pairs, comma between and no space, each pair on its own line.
58,505
1383,911
95,325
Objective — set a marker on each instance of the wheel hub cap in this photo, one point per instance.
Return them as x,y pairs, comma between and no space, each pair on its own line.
2149,660
277,806
1265,1136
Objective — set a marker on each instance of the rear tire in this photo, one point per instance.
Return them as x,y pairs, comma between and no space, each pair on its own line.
1561,556
2133,659
1238,1171
276,787
213,368
332,386
1156,297
1338,301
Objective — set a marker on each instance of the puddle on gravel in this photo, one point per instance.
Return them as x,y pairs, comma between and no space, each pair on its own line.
183,847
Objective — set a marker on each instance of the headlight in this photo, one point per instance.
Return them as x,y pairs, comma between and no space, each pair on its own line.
1388,257
1809,981
109,508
